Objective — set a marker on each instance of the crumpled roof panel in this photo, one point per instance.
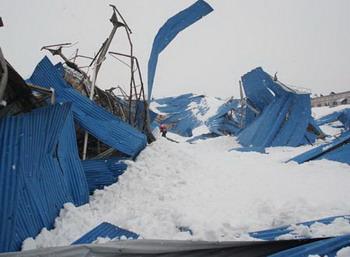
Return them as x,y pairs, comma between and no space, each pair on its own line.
97,121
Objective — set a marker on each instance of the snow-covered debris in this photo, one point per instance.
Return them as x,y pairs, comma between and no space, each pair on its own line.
217,193
340,226
186,114
281,116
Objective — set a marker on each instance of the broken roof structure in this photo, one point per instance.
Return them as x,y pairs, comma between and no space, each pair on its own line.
276,115
97,121
343,116
180,113
227,120
337,150
169,31
36,184
101,173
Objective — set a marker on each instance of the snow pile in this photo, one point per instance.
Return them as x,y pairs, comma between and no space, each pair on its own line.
217,193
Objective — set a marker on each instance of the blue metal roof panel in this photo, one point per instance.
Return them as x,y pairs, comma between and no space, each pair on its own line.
34,186
100,173
105,230
168,32
285,114
97,121
273,234
327,247
322,150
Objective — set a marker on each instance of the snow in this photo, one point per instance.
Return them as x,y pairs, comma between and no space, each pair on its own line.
333,128
219,193
345,252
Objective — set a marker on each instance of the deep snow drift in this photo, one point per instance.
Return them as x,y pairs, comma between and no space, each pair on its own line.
218,193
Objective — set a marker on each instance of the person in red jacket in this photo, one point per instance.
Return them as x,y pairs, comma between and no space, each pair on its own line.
163,130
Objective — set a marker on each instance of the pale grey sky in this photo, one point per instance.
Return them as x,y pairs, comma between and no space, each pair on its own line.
306,41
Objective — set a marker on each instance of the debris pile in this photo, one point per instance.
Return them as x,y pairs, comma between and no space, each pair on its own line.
337,150
275,114
62,137
44,127
343,116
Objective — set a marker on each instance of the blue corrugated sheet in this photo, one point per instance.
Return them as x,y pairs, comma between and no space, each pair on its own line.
285,115
140,117
328,118
97,121
222,123
337,150
179,114
100,173
105,230
168,32
40,171
273,234
343,116
327,247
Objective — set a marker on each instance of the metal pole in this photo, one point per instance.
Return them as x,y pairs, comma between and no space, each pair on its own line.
97,66
86,136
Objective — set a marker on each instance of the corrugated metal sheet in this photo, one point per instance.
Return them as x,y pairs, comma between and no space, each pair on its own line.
36,177
327,247
105,230
221,123
284,114
328,118
168,32
68,157
100,173
273,234
97,121
258,93
337,150
343,116
179,114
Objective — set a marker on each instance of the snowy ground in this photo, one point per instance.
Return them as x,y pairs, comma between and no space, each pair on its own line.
218,193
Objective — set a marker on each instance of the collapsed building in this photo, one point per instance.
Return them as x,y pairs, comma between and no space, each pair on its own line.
275,114
45,124
269,113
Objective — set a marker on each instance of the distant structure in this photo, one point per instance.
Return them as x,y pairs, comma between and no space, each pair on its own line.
333,99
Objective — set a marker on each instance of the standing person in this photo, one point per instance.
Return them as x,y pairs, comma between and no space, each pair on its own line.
163,130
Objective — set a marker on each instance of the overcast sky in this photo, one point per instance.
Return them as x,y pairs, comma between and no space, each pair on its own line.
306,41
